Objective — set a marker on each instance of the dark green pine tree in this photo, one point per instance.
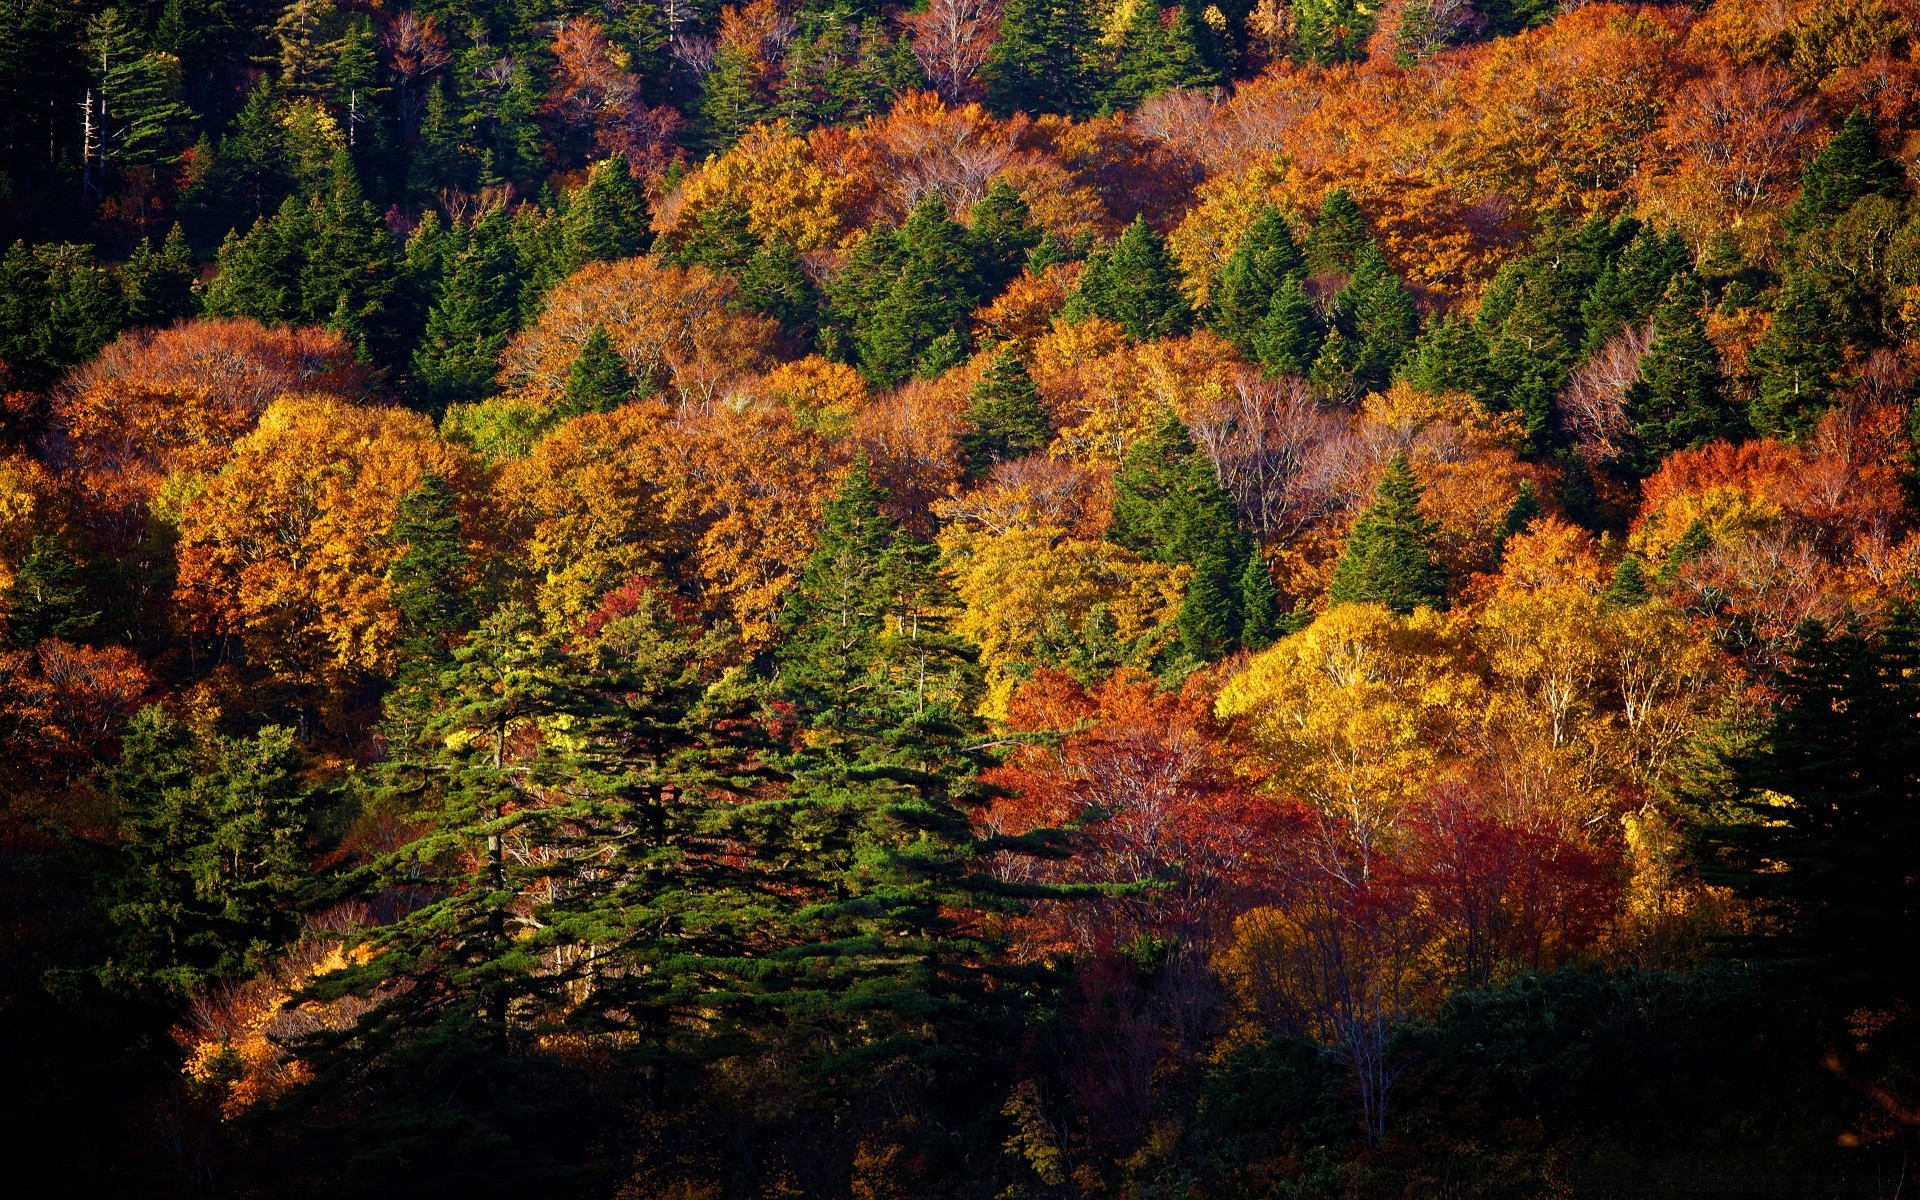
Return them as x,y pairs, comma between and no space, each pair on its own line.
428,582
1038,63
1451,356
900,307
58,307
214,853
1377,313
1849,167
1155,56
47,598
323,261
1261,621
1002,235
1630,287
1134,282
1289,337
1390,557
1262,262
733,98
1676,403
1169,506
476,310
438,160
1831,807
599,380
159,283
1050,251
606,218
775,284
1630,587
720,238
874,825
1332,31
1339,235
1794,364
1005,418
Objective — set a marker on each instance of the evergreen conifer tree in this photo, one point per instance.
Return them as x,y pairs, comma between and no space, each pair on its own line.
477,309
1135,283
599,380
1836,866
46,598
1332,31
1262,262
1002,236
1451,356
1849,167
606,218
1038,63
1390,558
774,284
1261,621
1169,506
1795,364
214,851
1676,404
1339,235
1288,339
1155,57
159,283
1377,313
428,580
1630,587
1005,418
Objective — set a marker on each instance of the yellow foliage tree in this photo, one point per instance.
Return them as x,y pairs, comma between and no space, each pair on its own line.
287,546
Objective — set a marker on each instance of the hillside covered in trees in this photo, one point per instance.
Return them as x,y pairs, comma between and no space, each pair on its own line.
1001,599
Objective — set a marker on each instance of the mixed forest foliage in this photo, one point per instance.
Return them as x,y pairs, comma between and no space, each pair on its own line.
1025,599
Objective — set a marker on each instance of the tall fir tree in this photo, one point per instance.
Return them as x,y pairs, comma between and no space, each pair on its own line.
476,310
1847,168
1339,235
1169,506
1676,403
1290,335
159,283
1378,314
1155,56
606,218
1830,813
1038,62
598,380
47,598
1389,558
1005,417
1135,282
1795,364
1262,262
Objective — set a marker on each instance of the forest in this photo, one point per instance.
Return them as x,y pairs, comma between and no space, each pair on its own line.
960,599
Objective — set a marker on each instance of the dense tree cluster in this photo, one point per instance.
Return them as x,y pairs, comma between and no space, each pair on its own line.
980,598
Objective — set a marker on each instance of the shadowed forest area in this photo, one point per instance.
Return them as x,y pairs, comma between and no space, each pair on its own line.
960,600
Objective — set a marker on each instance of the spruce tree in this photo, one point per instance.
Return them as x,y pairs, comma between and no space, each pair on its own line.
900,306
1262,262
1134,282
1630,587
159,283
1002,235
1849,167
1154,57
732,100
1795,364
1339,235
1005,417
606,218
1451,356
1169,506
428,580
1390,557
1377,313
1261,621
1038,62
476,310
1332,31
1631,286
46,598
598,380
214,852
1289,337
1676,402
1836,867
774,284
